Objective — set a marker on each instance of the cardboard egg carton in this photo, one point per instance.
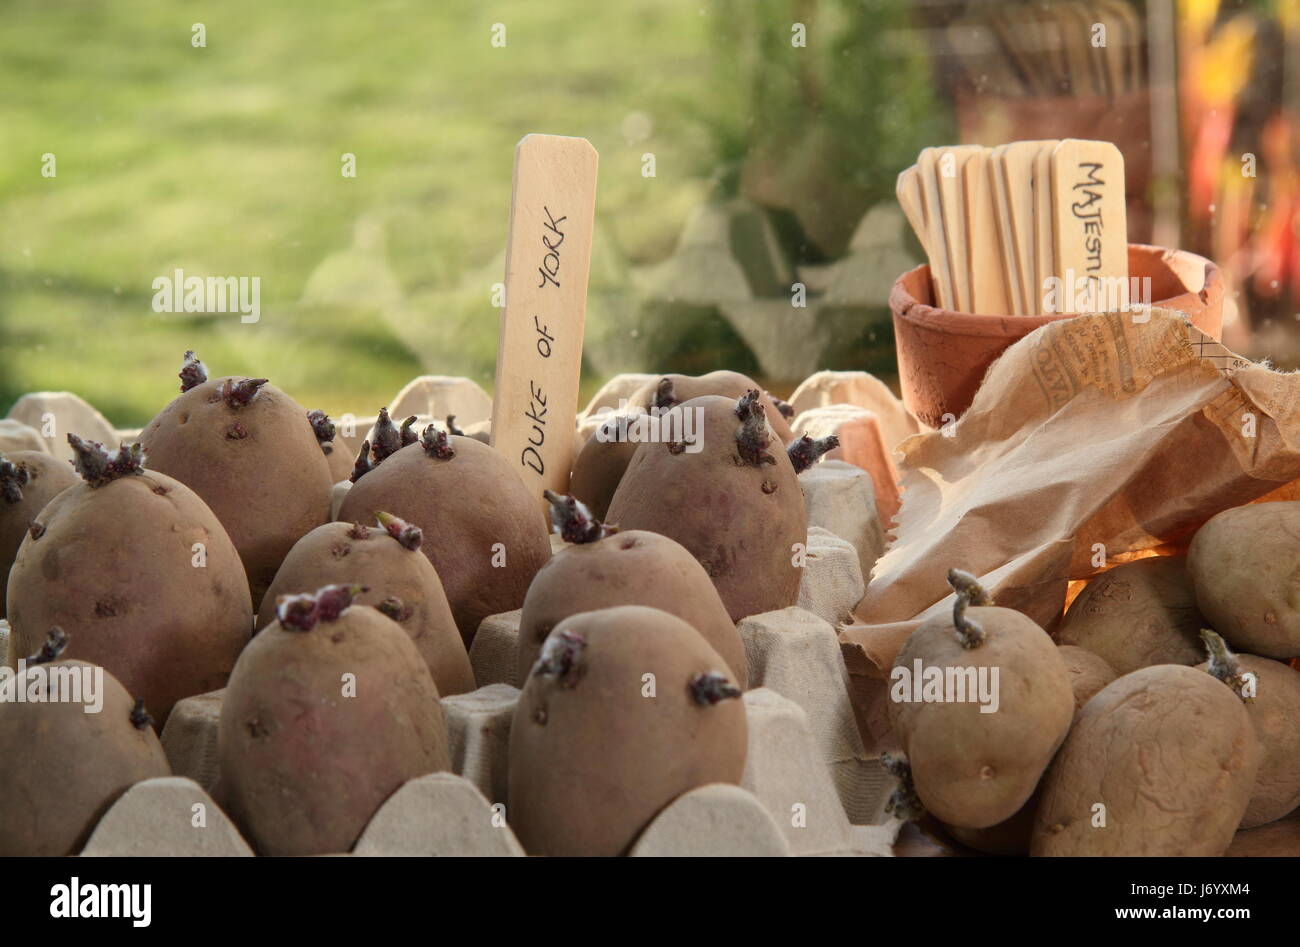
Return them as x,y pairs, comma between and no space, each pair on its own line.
436,396
338,494
841,499
862,444
56,414
860,389
171,816
713,821
809,788
14,436
435,814
789,800
807,771
832,577
438,814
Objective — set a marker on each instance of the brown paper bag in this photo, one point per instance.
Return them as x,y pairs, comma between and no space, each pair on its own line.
1092,440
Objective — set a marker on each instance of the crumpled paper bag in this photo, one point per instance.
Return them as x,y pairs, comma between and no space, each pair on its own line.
1093,439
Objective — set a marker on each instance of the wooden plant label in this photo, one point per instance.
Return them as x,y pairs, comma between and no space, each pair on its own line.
1018,170
936,241
951,181
910,198
1091,224
1006,234
1044,229
539,353
984,240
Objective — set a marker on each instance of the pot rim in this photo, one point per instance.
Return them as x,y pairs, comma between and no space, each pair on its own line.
907,307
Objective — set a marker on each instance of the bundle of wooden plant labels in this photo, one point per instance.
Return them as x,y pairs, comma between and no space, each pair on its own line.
1065,47
1030,228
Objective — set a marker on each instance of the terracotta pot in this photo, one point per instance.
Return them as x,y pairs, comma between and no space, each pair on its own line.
943,355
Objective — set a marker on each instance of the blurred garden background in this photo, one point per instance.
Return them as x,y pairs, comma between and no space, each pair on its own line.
225,160
773,163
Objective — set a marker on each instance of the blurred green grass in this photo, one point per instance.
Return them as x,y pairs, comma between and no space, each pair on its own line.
225,160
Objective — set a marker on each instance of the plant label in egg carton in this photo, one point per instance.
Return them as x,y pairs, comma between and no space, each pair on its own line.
539,354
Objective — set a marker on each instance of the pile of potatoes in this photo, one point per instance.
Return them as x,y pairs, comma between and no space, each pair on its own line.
205,557
1160,717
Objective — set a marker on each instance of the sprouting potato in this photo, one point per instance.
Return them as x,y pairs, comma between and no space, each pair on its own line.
972,768
605,568
732,498
626,709
135,567
599,467
252,454
1270,691
483,531
330,710
64,767
667,391
385,560
28,480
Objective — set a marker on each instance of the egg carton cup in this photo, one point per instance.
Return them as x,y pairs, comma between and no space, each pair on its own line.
169,816
440,814
862,444
825,389
15,435
714,821
437,396
831,584
53,415
841,499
